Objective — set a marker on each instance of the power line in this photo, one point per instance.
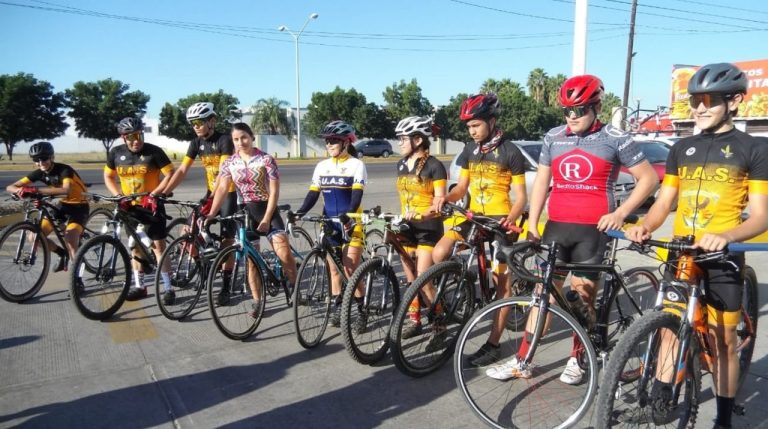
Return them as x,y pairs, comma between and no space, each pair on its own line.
729,7
689,12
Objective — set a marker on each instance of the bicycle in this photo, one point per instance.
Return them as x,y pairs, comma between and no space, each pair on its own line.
651,121
553,330
25,259
452,284
680,323
239,318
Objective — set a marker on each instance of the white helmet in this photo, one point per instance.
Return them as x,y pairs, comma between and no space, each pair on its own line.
414,124
200,111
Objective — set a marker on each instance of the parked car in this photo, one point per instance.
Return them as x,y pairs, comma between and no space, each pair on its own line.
373,148
656,152
667,140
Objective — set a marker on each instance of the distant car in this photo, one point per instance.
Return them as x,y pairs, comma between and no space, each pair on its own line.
656,152
669,141
376,148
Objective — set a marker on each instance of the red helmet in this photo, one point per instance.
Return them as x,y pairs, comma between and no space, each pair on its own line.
481,106
580,91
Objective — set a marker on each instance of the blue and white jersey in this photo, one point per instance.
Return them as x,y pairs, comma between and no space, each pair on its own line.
336,178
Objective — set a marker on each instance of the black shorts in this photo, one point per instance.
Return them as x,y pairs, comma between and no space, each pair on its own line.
256,211
463,229
154,225
723,282
73,213
228,208
425,234
579,244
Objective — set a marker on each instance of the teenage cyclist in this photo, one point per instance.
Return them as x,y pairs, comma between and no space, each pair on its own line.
213,148
490,167
61,179
341,179
714,176
420,178
256,177
582,160
138,166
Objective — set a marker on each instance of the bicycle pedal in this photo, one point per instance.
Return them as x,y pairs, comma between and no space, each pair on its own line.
739,409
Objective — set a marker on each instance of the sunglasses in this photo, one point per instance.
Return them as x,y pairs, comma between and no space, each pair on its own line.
40,158
133,137
333,141
579,111
198,122
709,100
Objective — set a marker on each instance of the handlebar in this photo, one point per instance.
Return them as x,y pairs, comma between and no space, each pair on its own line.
485,222
688,248
115,198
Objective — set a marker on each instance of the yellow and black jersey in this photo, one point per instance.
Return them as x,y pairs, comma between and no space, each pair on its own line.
139,171
714,174
56,177
213,151
491,176
417,190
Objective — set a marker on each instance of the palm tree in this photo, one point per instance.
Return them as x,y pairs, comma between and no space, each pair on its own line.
497,86
269,116
552,88
537,84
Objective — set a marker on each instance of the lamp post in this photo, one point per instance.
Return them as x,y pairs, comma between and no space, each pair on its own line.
298,88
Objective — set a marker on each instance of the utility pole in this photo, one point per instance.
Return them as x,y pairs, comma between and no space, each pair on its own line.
579,65
630,54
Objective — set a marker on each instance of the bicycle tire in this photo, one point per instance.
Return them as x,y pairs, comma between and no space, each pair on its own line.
22,279
97,218
642,406
270,258
377,310
749,314
174,228
419,356
642,285
99,297
540,401
301,242
233,319
312,299
186,275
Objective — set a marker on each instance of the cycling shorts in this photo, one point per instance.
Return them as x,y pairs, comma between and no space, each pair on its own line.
228,208
421,235
579,244
154,224
74,215
723,283
256,211
334,234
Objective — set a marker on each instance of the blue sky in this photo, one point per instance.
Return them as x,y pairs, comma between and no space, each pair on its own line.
449,46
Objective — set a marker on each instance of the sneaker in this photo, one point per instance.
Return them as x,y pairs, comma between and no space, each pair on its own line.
358,326
222,298
411,329
509,369
486,355
136,293
255,310
572,374
169,297
61,264
437,342
336,316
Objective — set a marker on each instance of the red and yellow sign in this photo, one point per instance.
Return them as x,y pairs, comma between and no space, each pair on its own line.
755,104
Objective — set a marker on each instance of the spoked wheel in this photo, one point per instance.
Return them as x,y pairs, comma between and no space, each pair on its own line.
439,302
230,294
747,326
187,278
301,242
365,320
504,393
24,261
99,292
175,228
639,296
97,220
312,299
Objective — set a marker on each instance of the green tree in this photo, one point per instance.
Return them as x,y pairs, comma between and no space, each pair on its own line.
405,99
447,118
537,84
497,86
552,88
29,110
372,121
610,101
269,117
340,104
97,107
173,117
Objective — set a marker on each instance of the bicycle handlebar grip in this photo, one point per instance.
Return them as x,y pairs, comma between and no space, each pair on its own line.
614,233
748,247
509,251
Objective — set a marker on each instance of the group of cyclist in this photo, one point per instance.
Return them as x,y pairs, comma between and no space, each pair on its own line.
712,176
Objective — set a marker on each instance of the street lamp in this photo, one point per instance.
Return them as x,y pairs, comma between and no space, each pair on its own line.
298,88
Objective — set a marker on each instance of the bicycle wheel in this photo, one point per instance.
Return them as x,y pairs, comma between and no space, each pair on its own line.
312,299
747,328
235,312
639,293
97,218
98,294
187,278
365,323
301,242
631,396
442,318
24,261
174,228
541,400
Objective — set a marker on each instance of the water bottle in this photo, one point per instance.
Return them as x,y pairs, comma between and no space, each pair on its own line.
583,311
145,240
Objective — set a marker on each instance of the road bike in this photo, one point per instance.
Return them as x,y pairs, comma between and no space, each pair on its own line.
536,396
671,344
644,120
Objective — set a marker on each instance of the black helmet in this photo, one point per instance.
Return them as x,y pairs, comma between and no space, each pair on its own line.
41,149
722,78
130,125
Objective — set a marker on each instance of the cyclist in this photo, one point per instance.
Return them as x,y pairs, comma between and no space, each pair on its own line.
713,176
420,178
213,148
582,160
138,165
341,179
61,180
257,179
490,166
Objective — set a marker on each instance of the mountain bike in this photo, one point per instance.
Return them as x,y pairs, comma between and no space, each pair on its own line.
25,259
671,345
536,397
239,315
448,293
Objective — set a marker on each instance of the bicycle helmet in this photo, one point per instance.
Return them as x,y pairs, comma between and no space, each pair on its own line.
202,110
481,106
414,124
41,149
580,91
722,78
339,130
130,125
